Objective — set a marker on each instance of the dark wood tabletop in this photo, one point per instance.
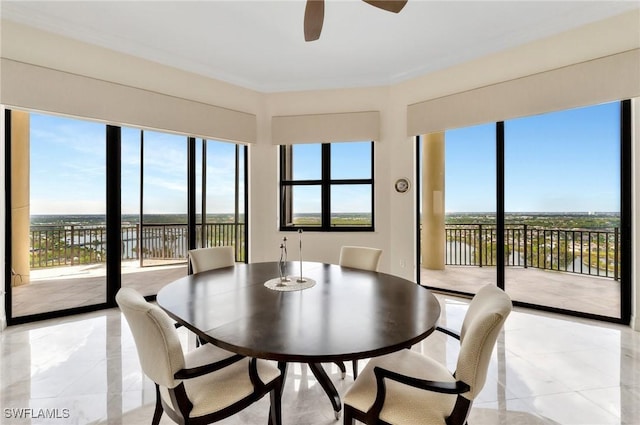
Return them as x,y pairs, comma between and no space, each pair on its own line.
349,313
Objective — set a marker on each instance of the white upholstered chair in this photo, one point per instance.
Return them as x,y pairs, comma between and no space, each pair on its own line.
364,258
202,386
360,257
203,259
408,388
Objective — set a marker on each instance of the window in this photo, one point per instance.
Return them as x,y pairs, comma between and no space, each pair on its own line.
327,186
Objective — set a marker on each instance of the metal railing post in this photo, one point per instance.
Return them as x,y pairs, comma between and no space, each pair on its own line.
480,242
72,244
526,239
139,250
164,241
616,235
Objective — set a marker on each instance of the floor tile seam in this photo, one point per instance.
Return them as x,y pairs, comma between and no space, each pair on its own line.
617,413
70,383
545,394
531,410
530,402
575,354
622,387
544,375
535,363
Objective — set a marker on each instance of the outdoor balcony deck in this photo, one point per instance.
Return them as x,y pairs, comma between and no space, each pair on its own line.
67,287
569,291
61,288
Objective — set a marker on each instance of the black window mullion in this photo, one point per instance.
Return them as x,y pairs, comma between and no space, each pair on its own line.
626,210
191,192
245,151
373,192
351,181
203,206
8,305
326,187
113,214
302,183
500,263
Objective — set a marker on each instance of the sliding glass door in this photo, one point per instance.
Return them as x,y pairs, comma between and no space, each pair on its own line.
463,258
539,206
58,213
563,209
223,196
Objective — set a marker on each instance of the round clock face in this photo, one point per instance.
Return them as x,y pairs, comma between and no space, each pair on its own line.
402,185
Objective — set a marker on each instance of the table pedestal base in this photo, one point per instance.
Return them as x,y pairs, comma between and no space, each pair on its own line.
328,387
325,383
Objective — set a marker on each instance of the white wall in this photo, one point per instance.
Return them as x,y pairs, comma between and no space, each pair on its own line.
393,157
395,213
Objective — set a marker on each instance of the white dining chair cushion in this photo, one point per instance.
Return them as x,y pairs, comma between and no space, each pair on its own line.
404,405
482,324
203,259
360,257
205,354
155,336
215,391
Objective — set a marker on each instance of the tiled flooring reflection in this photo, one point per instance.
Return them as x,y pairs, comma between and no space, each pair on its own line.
545,370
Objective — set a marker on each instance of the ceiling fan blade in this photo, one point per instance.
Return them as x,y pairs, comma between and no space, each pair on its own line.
394,6
313,19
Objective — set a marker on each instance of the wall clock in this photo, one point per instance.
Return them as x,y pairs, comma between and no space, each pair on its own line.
402,185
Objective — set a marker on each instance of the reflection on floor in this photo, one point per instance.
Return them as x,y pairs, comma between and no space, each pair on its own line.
569,291
545,370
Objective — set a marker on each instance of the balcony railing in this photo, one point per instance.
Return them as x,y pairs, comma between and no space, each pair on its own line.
70,245
584,251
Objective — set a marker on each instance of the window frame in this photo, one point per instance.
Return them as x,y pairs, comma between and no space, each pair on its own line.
325,183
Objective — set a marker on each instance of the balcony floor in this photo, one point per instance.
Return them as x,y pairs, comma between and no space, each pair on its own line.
569,291
67,287
61,288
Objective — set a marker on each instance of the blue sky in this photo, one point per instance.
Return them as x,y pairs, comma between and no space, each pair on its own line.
68,169
566,161
559,162
348,161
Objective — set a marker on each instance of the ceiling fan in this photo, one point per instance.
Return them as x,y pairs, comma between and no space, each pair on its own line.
314,14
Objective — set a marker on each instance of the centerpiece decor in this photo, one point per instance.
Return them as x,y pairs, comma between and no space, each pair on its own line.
282,263
300,279
283,282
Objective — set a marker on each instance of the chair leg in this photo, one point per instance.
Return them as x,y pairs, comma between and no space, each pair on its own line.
157,414
355,369
275,412
348,416
343,369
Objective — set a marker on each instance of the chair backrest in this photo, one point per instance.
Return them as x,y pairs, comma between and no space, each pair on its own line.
203,259
360,257
482,324
156,339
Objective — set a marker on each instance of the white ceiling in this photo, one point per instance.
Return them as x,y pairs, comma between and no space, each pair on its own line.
260,44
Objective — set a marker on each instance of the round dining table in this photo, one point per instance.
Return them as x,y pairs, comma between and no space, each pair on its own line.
342,314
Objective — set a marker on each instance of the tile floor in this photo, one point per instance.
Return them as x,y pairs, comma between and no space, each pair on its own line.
545,369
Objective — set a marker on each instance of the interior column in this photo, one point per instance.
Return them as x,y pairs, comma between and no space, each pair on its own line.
433,213
20,209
